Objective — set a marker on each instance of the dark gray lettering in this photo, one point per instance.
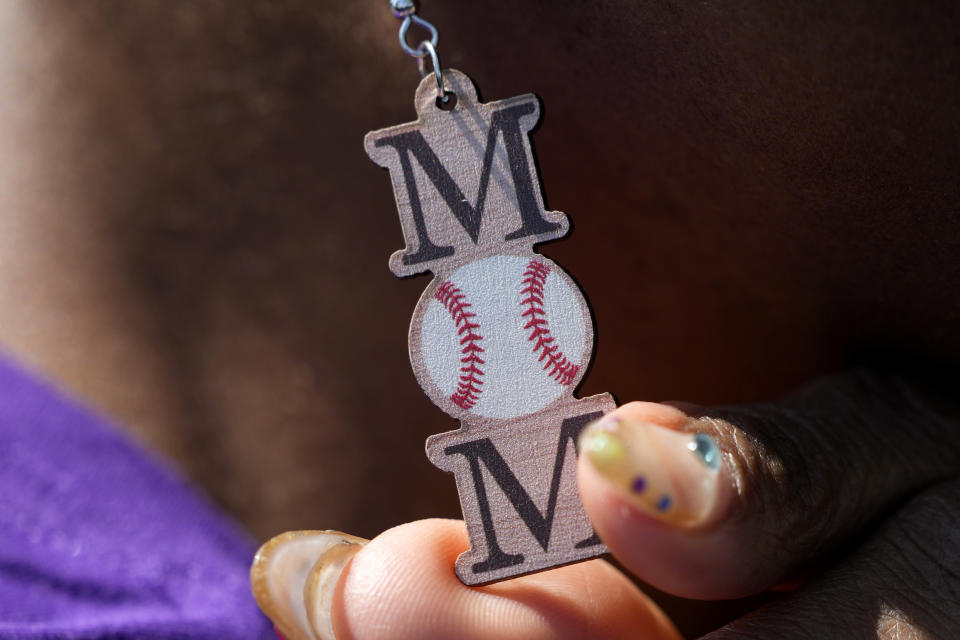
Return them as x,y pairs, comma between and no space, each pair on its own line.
412,143
539,524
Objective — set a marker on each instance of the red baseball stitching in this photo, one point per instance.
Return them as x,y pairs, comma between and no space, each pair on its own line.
534,279
471,383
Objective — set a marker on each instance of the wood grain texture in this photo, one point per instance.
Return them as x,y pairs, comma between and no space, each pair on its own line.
518,490
441,162
501,337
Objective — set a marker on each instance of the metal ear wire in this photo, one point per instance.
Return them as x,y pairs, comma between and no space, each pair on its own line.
407,10
437,72
419,51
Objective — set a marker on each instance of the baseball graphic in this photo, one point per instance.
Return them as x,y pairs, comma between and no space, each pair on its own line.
501,337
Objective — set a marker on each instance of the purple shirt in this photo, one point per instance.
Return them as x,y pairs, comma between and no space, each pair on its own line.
98,539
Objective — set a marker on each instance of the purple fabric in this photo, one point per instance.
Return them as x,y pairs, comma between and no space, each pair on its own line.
98,540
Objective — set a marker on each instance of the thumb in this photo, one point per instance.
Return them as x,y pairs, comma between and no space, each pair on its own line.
723,503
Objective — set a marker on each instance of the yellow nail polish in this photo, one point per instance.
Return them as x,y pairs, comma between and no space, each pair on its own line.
605,449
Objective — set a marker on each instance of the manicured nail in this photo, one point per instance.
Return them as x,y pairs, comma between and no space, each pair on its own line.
321,584
280,574
670,475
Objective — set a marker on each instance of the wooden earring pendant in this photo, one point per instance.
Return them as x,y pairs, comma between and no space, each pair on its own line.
501,336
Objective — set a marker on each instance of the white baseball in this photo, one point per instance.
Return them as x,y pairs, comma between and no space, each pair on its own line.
501,337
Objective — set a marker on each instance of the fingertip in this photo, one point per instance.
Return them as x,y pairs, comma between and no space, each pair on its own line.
689,561
398,578
660,495
663,414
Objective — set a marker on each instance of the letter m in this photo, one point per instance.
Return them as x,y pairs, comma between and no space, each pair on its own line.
539,524
412,144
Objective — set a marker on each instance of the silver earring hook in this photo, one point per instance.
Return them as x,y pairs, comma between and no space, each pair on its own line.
407,11
437,72
419,52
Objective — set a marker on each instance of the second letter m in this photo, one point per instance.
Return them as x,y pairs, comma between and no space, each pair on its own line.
539,524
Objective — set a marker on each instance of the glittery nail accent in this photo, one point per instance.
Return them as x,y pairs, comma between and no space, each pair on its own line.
706,449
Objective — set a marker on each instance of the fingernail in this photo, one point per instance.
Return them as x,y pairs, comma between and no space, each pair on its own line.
280,572
321,584
670,475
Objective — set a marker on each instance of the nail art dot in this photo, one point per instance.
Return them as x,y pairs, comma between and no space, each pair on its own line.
639,484
663,503
706,449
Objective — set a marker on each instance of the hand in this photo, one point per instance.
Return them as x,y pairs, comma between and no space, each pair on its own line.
853,482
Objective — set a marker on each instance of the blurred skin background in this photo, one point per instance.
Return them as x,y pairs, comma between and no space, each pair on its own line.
193,241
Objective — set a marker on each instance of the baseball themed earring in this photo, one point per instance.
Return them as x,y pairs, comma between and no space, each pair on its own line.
501,336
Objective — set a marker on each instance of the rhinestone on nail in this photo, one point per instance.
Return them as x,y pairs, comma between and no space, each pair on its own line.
706,449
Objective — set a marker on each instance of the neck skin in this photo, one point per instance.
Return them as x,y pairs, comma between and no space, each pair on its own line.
68,307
